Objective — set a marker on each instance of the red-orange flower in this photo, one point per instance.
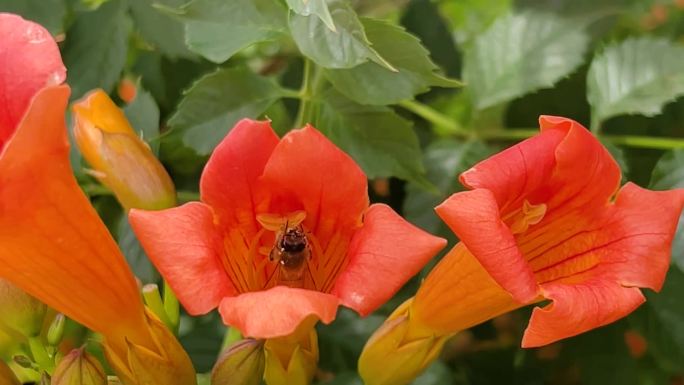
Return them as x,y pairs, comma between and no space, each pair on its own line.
255,188
53,244
544,219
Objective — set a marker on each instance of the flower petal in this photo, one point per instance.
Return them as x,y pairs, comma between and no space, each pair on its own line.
30,61
308,168
184,244
474,217
385,253
579,308
229,181
53,244
276,312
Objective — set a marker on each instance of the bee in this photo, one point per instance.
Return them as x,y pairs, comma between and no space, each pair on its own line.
292,252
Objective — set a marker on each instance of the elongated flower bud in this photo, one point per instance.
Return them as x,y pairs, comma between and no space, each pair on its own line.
399,350
292,360
19,312
241,364
79,368
119,158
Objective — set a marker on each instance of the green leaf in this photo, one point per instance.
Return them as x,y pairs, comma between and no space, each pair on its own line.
637,76
444,160
217,101
669,174
370,83
218,29
48,13
135,255
143,114
95,48
381,142
318,8
161,30
521,53
346,47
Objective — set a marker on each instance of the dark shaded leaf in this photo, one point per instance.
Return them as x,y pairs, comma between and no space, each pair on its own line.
669,174
137,259
48,13
95,48
212,106
161,30
143,114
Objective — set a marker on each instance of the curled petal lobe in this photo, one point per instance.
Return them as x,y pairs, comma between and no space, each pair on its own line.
474,217
30,62
579,308
185,246
276,312
308,169
230,180
385,253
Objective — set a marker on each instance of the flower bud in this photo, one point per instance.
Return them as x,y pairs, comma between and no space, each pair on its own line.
118,157
166,363
19,312
241,364
7,377
399,351
79,368
292,360
56,330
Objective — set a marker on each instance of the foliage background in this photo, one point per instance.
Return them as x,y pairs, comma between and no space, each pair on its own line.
617,66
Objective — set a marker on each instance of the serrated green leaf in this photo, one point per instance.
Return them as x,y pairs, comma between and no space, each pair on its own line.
48,13
669,174
346,47
637,76
521,53
143,114
370,83
95,48
318,8
218,29
135,255
381,142
165,33
217,101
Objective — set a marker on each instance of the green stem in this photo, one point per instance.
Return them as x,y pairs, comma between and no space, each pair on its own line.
440,120
305,94
154,302
40,354
433,116
171,307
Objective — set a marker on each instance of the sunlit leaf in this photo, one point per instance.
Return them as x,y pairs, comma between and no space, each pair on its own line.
382,142
637,76
218,29
370,83
313,7
95,48
346,47
219,100
522,53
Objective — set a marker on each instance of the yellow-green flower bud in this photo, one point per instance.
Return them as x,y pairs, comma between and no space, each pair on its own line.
20,312
79,368
292,360
241,364
56,330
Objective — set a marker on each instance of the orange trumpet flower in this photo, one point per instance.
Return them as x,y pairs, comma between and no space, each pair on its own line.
543,220
53,245
284,233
